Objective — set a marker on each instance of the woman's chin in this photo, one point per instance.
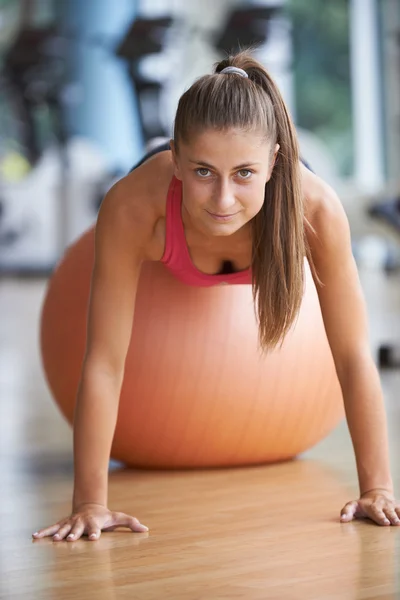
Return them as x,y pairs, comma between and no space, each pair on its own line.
224,230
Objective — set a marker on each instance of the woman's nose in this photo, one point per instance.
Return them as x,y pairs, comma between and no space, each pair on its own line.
225,199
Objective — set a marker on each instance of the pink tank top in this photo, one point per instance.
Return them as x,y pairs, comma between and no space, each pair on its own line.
176,255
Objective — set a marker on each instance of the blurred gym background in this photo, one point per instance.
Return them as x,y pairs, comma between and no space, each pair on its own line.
87,87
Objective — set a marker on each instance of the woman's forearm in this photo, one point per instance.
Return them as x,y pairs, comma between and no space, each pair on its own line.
94,425
366,418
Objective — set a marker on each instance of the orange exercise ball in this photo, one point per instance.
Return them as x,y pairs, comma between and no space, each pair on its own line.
197,391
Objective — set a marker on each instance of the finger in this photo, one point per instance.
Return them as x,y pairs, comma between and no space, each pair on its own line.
79,528
392,516
377,515
135,525
348,511
397,509
124,520
76,532
92,529
94,533
47,531
62,532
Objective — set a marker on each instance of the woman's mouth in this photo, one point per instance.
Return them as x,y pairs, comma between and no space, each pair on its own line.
222,217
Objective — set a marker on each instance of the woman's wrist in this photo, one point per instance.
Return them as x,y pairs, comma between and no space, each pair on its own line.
388,490
78,506
80,498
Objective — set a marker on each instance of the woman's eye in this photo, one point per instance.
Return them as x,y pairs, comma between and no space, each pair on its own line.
203,172
244,173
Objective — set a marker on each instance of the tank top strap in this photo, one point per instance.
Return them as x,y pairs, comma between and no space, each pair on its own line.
174,232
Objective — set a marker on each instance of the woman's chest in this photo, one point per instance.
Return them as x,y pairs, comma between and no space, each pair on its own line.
215,261
219,256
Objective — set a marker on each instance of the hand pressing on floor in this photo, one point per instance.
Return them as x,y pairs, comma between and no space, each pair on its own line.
91,520
379,505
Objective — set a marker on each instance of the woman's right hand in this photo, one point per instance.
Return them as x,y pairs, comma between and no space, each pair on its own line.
91,520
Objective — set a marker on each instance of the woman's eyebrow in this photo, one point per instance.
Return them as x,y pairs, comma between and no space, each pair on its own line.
205,164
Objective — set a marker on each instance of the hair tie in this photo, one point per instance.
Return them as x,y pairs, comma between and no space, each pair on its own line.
236,70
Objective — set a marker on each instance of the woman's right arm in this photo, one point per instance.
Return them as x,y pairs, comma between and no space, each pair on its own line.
122,233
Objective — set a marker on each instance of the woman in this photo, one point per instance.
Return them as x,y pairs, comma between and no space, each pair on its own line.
248,212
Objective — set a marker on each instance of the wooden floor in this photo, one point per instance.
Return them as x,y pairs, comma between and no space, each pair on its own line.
253,533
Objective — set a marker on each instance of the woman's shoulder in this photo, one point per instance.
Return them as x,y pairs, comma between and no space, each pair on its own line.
145,189
138,201
325,213
321,202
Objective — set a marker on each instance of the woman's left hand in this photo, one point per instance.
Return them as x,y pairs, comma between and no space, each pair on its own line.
378,505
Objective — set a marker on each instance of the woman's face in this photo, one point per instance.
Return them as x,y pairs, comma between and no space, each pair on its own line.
223,176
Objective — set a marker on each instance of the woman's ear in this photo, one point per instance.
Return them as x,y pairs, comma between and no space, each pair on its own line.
276,150
177,171
274,157
273,161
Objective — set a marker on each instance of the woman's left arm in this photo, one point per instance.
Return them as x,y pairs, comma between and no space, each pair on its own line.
345,318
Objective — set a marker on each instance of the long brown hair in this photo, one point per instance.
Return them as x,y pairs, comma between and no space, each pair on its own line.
279,243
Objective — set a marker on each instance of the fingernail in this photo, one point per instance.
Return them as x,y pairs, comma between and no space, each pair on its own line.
56,536
36,533
144,527
71,535
92,536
